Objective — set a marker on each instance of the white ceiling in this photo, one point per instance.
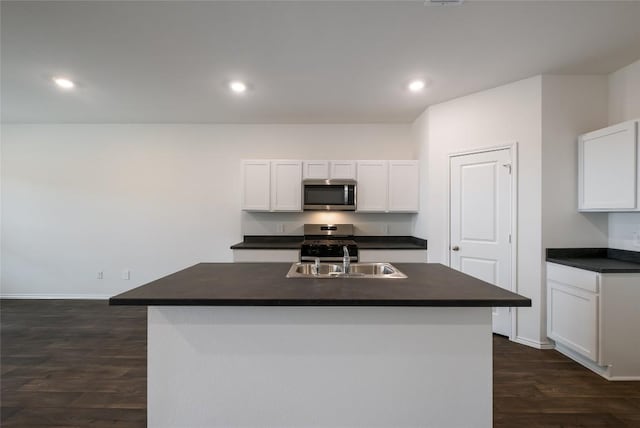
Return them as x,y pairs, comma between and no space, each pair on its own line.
306,61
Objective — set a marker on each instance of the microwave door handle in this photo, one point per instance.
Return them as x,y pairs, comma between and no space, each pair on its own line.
346,194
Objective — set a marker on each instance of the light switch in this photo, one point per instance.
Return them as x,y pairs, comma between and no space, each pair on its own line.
126,274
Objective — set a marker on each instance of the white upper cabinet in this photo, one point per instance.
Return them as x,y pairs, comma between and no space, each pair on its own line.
404,186
318,170
322,170
382,186
271,185
388,186
608,162
372,186
286,185
256,178
343,170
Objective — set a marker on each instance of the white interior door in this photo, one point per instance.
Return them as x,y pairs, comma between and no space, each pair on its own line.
480,197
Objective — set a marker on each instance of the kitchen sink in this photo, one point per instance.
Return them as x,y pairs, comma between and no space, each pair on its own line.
335,270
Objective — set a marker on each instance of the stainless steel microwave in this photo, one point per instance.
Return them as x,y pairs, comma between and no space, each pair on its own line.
337,195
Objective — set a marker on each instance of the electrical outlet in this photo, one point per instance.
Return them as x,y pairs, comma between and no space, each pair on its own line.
280,228
100,275
636,238
126,274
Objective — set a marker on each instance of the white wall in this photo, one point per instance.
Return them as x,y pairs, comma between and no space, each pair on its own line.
78,199
624,93
571,105
260,223
496,117
420,136
624,104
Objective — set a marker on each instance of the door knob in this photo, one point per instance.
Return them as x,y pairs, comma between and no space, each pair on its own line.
455,248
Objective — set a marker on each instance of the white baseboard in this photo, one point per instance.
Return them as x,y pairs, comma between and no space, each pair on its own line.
597,369
602,371
55,296
622,378
533,343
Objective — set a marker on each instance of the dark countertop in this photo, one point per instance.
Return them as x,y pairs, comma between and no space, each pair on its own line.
603,260
264,284
280,242
259,242
390,243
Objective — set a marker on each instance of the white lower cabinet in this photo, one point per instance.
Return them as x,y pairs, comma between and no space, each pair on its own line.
573,318
594,319
393,256
266,256
290,255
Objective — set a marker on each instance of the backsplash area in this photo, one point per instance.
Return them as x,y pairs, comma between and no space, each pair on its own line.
376,224
624,231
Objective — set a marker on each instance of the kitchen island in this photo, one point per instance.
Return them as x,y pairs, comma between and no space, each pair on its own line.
240,345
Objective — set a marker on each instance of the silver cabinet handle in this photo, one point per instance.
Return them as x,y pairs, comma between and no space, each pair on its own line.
455,248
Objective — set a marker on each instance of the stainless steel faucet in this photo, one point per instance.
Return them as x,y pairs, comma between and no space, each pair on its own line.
316,262
346,260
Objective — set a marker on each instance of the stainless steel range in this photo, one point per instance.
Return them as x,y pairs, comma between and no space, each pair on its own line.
327,243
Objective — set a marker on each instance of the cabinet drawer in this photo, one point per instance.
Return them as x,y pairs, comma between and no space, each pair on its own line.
580,278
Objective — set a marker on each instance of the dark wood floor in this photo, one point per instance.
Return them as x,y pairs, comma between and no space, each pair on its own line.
83,364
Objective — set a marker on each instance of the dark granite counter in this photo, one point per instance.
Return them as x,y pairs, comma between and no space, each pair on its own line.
276,242
280,242
603,260
390,243
265,284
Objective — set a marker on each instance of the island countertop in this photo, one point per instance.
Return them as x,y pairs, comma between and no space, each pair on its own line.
265,284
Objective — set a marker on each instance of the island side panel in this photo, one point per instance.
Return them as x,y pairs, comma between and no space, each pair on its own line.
319,367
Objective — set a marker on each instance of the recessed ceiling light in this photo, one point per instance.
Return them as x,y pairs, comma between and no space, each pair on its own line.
238,87
64,83
416,85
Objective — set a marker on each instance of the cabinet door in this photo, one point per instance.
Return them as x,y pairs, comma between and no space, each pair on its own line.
345,170
573,318
372,186
393,256
404,186
608,169
256,176
318,170
286,185
265,256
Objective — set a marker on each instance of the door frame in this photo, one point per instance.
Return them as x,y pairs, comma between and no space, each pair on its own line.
513,151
